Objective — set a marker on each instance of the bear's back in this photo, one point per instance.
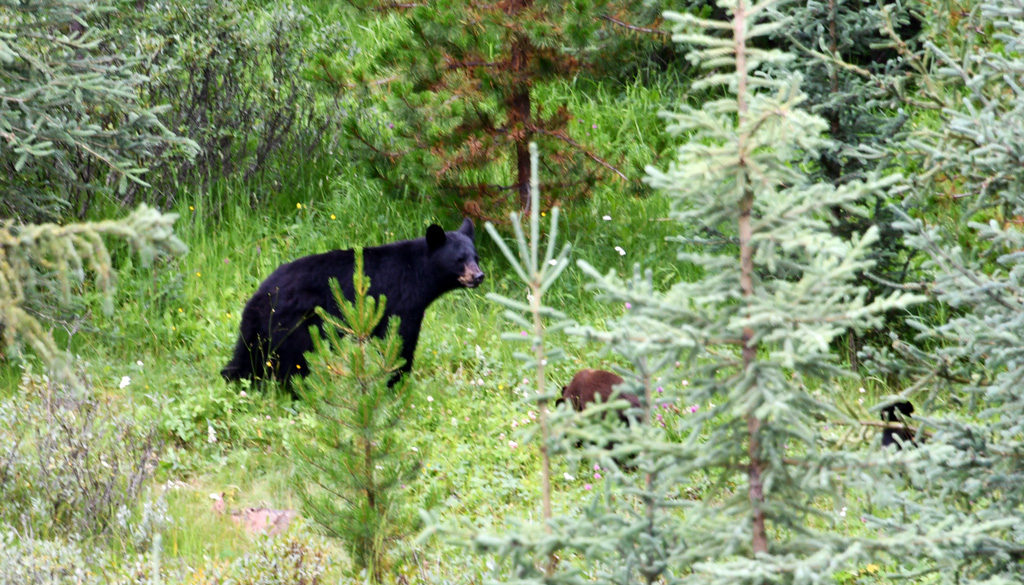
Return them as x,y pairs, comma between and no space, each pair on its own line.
589,384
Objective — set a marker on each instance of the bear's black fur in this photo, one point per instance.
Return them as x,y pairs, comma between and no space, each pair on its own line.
587,385
905,433
411,274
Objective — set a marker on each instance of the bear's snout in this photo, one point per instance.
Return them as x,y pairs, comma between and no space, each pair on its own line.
472,276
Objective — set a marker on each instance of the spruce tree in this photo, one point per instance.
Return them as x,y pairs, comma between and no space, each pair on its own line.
72,122
858,61
963,513
351,473
778,287
744,487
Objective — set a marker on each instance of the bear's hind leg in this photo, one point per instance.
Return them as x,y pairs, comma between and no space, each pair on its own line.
250,358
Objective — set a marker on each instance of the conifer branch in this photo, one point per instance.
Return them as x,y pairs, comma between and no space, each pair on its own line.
41,265
636,28
561,135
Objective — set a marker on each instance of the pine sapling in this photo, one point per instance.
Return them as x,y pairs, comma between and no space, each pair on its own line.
537,274
351,473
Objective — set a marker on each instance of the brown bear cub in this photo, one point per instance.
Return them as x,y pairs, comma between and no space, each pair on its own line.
588,385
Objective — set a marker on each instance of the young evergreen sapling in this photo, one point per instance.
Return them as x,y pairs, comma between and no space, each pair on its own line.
352,471
963,520
778,287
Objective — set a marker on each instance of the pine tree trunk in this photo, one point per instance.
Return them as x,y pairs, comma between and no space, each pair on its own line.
759,538
520,111
523,168
519,106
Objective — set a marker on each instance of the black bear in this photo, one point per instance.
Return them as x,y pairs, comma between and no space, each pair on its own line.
905,433
587,385
411,274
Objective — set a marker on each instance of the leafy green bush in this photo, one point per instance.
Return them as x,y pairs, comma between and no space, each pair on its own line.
234,79
216,419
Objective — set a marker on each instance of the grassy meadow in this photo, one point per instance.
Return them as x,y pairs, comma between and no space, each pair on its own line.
159,354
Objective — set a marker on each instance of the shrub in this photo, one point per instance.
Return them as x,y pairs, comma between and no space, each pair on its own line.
200,421
292,560
234,79
296,559
73,124
70,465
30,561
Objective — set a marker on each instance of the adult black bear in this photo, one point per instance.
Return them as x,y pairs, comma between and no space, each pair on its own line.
411,274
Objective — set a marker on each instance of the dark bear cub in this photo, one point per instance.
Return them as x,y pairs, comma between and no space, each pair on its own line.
411,274
905,434
587,385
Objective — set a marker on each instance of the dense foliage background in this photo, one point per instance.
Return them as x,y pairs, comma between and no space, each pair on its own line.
780,220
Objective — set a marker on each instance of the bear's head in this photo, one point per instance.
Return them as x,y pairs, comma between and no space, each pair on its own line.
455,253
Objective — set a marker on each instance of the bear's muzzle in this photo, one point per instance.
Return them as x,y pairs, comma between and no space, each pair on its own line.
472,276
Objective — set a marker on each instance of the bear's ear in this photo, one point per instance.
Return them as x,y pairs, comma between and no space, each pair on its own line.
467,228
435,237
